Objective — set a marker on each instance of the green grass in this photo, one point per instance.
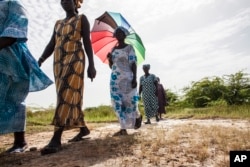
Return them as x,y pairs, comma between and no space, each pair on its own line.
225,112
100,114
40,120
105,114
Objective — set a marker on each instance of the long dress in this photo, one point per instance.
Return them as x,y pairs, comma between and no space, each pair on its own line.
162,99
69,64
149,97
19,71
124,98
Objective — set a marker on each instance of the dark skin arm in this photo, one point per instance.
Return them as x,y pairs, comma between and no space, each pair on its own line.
6,41
48,50
109,56
91,71
140,90
156,87
134,71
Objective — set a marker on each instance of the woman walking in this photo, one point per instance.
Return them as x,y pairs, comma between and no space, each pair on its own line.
123,84
69,64
19,72
162,99
148,89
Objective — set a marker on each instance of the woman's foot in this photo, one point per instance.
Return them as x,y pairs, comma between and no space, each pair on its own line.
138,122
51,148
148,121
157,118
55,143
19,143
84,131
122,132
17,148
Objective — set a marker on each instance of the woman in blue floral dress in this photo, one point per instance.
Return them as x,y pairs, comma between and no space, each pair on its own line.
123,84
19,72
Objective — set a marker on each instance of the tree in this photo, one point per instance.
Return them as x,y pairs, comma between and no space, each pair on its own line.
171,96
238,88
201,93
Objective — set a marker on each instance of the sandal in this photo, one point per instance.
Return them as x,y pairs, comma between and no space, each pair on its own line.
17,149
138,122
83,132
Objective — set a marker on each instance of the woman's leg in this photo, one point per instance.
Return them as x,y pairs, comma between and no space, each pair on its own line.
84,131
13,94
55,142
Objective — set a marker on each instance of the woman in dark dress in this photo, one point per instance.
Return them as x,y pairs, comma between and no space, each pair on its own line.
162,99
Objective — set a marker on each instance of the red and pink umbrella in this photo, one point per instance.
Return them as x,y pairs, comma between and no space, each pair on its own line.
102,36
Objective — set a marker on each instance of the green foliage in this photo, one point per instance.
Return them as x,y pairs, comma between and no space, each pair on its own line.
219,102
203,92
231,89
171,96
238,88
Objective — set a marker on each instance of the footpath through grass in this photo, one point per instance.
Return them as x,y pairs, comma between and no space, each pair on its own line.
183,144
40,119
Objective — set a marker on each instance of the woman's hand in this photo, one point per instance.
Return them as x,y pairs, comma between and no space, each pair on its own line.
40,61
109,56
6,41
134,83
91,72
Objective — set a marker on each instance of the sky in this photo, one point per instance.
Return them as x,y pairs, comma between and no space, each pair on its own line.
185,41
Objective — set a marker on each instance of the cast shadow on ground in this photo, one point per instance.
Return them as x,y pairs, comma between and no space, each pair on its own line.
87,152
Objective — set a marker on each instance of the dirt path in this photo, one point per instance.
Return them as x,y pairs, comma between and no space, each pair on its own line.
166,143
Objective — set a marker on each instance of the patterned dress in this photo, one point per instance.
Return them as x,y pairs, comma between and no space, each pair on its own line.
148,95
69,64
19,71
124,98
162,99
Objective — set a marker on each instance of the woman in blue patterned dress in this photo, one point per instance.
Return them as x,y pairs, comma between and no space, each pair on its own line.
148,85
123,84
19,72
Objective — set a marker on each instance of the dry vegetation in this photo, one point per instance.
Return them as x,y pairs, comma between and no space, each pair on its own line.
170,143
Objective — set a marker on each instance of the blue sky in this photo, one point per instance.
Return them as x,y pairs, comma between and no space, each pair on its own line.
185,40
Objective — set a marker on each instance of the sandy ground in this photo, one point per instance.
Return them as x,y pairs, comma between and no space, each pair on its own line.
101,149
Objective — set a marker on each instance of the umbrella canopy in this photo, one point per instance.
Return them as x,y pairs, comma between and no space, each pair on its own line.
102,36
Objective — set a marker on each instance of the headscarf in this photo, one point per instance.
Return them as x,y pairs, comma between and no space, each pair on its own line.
146,66
78,3
126,32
